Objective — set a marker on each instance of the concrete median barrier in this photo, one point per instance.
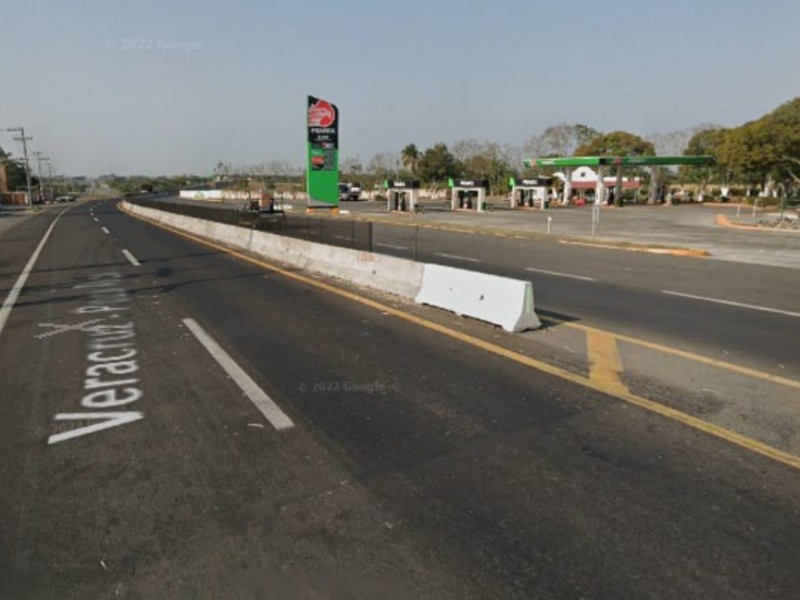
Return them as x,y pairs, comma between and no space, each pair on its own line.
499,300
386,273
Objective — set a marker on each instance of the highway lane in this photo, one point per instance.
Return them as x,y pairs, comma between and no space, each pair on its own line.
624,291
741,313
417,466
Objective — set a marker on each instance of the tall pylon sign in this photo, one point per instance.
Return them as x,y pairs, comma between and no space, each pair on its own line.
323,154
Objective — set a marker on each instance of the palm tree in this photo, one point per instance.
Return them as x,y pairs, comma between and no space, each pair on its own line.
410,156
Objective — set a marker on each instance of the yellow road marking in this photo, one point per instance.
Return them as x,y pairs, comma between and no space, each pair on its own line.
732,437
721,364
605,366
685,252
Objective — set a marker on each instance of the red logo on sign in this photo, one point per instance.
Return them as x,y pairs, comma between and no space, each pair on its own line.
321,114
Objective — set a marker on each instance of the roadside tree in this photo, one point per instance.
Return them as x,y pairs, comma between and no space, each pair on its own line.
616,143
437,164
410,157
560,140
706,143
766,151
486,160
15,171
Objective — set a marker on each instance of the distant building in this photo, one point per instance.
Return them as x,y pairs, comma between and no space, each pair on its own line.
585,178
6,196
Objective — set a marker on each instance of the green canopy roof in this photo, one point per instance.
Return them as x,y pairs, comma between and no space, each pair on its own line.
600,161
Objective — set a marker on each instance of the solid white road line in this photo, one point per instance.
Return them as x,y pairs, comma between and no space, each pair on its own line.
457,257
131,258
777,311
106,231
546,272
263,402
391,246
8,303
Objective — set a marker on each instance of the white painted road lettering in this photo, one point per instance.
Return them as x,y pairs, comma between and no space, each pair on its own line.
118,368
102,357
108,420
93,383
63,328
112,359
111,398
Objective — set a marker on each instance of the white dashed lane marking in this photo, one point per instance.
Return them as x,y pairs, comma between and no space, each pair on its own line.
131,258
264,403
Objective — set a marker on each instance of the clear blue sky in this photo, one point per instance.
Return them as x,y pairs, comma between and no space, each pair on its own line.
173,86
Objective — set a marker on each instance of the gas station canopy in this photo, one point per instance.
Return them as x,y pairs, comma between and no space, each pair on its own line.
601,161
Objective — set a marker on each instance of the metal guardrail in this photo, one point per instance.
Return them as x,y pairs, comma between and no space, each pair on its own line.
342,233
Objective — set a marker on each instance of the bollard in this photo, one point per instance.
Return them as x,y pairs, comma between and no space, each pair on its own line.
595,218
549,222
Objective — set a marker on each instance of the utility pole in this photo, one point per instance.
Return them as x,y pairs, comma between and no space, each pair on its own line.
24,141
40,158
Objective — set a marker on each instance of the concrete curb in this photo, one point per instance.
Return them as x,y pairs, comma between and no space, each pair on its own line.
724,221
684,252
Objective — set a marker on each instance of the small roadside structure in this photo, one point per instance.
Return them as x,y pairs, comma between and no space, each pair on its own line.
468,194
530,192
401,196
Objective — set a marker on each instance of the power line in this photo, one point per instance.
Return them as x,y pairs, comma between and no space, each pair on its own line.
40,158
22,138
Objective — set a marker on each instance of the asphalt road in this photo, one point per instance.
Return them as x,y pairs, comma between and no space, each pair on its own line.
635,293
743,313
416,465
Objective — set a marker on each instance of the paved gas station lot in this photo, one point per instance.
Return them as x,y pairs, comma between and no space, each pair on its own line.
691,226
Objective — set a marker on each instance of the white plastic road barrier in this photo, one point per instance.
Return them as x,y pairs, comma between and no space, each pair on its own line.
499,300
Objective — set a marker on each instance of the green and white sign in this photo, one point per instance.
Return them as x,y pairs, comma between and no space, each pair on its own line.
323,154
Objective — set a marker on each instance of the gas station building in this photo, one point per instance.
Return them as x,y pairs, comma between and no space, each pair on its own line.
601,164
